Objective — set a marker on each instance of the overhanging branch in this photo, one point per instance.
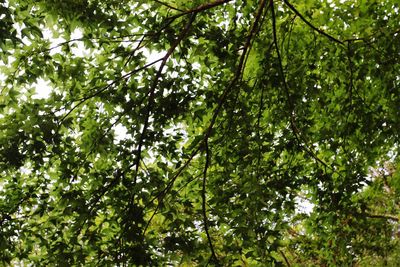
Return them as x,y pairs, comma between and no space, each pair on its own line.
293,126
312,26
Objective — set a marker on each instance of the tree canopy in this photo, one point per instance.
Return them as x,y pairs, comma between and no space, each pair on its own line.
193,133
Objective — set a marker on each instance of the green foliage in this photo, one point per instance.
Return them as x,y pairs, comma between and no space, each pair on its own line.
233,113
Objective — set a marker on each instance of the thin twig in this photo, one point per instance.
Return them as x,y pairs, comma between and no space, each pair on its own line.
293,126
152,96
203,196
132,53
111,40
382,216
168,5
161,195
312,26
86,98
238,72
200,8
284,257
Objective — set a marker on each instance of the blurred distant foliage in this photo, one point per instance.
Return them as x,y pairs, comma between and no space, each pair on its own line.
234,113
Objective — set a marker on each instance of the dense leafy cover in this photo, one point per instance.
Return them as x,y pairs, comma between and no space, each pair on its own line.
234,114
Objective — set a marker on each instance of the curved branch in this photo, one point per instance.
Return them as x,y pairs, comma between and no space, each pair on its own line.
221,101
168,5
202,7
293,126
310,25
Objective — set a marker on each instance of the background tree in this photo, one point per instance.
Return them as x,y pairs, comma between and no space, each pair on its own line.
234,113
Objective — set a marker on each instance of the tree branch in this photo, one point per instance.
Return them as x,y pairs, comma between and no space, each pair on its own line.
152,95
104,88
221,101
169,6
239,70
312,26
382,216
199,8
206,6
293,126
203,196
160,196
284,257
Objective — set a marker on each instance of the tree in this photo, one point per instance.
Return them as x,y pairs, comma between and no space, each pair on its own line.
233,112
